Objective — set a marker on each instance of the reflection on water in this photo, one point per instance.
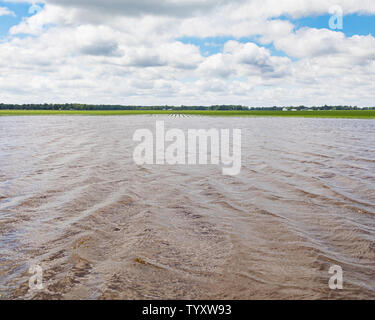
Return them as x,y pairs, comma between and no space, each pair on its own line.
73,201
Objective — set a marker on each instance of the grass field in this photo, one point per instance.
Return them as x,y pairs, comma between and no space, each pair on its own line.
355,114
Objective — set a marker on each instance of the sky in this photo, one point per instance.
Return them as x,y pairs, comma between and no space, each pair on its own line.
188,52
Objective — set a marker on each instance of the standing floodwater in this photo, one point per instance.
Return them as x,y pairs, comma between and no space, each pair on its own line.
73,202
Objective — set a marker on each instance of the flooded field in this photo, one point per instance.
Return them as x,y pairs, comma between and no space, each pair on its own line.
73,201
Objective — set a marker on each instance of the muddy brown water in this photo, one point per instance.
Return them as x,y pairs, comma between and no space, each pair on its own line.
73,201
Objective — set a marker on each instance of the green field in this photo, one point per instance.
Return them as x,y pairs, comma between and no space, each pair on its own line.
355,114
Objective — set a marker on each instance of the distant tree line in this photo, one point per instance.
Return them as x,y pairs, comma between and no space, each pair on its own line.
76,106
299,108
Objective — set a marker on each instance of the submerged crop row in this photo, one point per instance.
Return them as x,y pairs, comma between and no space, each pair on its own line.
356,114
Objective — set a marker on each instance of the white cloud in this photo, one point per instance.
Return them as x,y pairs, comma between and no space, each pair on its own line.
114,51
4,11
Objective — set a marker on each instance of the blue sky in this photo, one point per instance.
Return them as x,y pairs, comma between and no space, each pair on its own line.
21,10
137,52
212,45
354,24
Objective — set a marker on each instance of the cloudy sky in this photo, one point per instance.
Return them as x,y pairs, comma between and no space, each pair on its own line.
190,52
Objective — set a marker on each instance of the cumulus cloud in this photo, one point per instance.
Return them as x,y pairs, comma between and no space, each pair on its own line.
125,51
180,8
244,59
241,8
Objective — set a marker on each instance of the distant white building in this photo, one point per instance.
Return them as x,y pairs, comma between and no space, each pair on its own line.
285,109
